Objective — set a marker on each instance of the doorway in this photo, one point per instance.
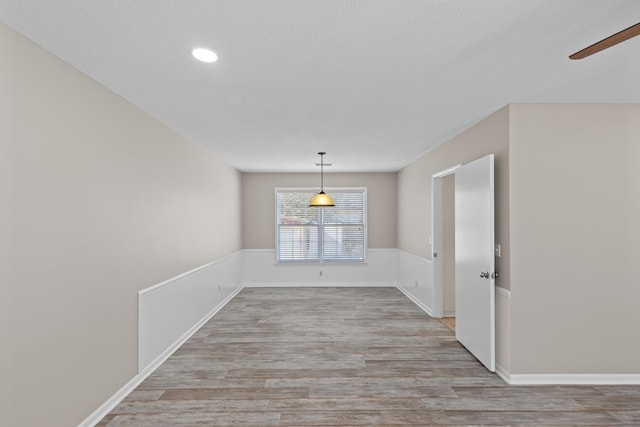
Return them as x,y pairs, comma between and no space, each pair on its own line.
443,244
473,254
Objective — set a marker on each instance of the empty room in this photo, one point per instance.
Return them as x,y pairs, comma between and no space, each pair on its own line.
319,213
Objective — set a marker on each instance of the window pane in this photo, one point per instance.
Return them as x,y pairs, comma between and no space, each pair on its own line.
321,234
343,216
297,243
343,243
349,208
293,208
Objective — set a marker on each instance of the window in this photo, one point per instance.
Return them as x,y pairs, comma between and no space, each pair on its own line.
305,234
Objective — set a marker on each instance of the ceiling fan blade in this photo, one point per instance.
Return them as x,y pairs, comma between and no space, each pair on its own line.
613,40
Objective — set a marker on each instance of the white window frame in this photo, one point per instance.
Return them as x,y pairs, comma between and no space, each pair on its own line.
312,191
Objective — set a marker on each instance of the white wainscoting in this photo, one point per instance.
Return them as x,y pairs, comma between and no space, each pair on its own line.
415,279
169,312
503,332
261,269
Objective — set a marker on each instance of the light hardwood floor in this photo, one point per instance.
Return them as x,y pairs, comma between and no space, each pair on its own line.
347,357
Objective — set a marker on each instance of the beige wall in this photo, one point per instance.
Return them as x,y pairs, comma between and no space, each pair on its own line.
567,218
98,201
414,186
258,196
490,135
102,201
575,228
6,190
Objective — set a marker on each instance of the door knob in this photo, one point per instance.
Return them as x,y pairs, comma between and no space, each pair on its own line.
484,275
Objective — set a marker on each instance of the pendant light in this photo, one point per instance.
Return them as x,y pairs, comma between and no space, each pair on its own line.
322,199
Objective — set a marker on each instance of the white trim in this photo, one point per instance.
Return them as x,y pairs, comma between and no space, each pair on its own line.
260,251
416,301
113,401
447,171
437,243
567,379
503,292
417,258
436,238
315,189
332,262
503,373
156,287
322,285
571,379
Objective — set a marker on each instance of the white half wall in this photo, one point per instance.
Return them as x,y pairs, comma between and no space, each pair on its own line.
503,333
174,309
415,279
261,269
171,311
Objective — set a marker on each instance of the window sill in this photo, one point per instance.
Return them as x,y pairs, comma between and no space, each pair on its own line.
317,263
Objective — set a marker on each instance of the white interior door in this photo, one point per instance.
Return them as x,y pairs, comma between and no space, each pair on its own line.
475,262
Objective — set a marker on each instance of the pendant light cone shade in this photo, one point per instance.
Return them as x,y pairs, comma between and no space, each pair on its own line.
322,199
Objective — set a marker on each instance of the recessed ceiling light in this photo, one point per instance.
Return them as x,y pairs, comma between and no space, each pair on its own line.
204,55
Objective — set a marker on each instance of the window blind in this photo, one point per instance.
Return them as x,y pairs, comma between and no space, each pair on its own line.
320,234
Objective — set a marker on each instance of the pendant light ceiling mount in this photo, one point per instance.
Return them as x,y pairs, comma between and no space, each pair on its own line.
321,199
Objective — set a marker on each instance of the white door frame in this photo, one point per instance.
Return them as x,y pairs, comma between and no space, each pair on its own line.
436,237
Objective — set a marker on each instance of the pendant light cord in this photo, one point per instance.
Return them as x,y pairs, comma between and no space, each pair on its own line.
322,171
321,199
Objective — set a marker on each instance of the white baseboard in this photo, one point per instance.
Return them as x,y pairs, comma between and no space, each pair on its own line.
586,379
325,285
416,301
502,373
503,292
113,401
568,379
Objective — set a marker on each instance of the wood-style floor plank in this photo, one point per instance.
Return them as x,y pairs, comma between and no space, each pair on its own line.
347,357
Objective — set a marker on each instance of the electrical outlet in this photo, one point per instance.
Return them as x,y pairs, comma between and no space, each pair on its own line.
219,288
416,283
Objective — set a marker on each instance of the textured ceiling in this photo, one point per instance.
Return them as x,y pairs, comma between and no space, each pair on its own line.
375,83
